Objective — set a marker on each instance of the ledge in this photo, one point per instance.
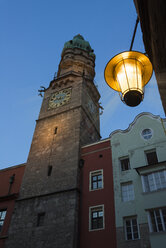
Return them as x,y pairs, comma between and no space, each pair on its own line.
66,74
157,233
153,191
49,194
151,168
3,237
9,197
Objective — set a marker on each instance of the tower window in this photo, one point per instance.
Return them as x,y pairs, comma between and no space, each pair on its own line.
49,170
55,130
96,217
2,218
151,157
40,219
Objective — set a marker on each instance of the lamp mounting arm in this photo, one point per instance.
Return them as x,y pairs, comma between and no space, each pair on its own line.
135,29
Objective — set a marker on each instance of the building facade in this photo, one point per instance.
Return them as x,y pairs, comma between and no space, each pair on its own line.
97,226
10,182
139,174
153,24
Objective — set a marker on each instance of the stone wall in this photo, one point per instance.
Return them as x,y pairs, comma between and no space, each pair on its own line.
58,229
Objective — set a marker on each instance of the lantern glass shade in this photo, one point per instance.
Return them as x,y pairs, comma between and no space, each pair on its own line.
128,73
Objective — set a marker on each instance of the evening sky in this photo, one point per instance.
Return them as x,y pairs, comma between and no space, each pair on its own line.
33,33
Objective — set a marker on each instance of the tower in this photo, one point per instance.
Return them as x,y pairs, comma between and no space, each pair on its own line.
47,211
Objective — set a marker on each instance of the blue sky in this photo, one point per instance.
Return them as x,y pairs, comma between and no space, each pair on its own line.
33,33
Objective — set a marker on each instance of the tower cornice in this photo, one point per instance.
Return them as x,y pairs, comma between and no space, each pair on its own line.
69,77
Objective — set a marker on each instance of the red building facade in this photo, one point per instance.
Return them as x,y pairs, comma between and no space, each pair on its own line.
10,182
97,221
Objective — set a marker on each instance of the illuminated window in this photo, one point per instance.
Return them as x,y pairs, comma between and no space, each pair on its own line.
157,220
2,218
154,181
96,180
131,228
127,191
125,164
96,217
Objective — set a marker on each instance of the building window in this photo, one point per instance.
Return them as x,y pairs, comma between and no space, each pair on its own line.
96,218
131,228
96,180
55,130
154,181
40,219
157,220
125,164
2,218
151,157
49,171
127,191
147,134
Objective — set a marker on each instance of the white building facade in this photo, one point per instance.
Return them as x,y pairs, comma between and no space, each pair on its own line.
139,172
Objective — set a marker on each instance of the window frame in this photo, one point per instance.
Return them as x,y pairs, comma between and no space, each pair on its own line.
149,152
122,159
40,219
128,195
96,173
130,218
147,137
2,219
97,207
147,187
150,221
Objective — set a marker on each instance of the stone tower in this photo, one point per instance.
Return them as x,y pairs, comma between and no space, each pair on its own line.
46,214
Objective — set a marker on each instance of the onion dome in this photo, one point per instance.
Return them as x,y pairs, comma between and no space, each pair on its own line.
79,42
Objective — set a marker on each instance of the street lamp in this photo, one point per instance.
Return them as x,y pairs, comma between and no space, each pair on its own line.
128,73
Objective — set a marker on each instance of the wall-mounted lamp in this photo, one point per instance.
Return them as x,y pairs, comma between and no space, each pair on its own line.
128,73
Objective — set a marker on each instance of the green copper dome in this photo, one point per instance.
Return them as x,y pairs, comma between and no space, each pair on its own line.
79,42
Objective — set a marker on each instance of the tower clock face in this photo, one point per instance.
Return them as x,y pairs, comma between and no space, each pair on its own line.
92,107
59,98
